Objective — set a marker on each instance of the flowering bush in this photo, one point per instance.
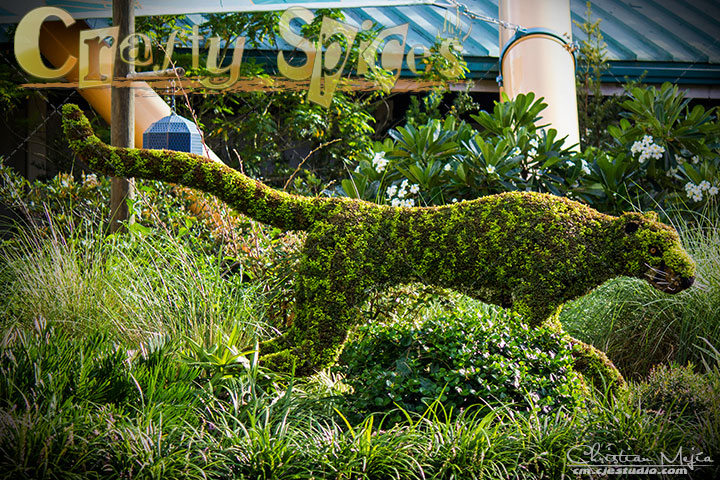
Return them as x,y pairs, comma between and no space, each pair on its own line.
466,357
662,153
444,162
673,148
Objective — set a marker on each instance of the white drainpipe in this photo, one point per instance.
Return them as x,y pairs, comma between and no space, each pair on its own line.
539,60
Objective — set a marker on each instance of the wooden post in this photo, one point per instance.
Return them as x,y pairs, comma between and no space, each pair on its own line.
122,127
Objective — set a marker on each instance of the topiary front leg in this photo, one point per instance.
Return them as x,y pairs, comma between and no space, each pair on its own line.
590,362
595,366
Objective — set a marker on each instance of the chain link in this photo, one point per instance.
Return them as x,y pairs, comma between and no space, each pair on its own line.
463,9
55,110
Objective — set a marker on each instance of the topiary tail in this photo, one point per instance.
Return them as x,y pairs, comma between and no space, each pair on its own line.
248,196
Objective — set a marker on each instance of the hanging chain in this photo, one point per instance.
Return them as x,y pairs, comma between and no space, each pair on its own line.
172,106
463,9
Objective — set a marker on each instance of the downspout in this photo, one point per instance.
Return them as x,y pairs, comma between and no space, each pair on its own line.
539,59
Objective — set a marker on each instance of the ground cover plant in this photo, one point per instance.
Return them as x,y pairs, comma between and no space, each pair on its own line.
460,353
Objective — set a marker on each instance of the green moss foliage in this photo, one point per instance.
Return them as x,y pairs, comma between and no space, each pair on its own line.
526,251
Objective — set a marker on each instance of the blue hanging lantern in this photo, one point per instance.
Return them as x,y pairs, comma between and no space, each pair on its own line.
173,133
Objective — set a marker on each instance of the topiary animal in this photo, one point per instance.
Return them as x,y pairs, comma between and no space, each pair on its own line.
526,251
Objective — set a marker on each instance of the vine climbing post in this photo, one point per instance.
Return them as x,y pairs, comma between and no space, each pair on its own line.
122,129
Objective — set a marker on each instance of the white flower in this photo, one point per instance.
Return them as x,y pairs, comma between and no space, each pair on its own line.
404,183
396,202
90,180
402,193
515,151
712,191
695,159
391,191
65,179
694,192
490,169
409,203
585,167
647,149
671,172
532,152
379,161
447,167
704,185
533,142
454,200
414,189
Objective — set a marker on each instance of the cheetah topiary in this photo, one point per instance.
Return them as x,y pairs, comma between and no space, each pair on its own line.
526,251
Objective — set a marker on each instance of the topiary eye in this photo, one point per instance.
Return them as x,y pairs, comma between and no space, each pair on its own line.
654,251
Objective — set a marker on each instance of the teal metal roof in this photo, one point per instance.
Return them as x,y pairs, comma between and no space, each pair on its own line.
659,40
664,40
667,40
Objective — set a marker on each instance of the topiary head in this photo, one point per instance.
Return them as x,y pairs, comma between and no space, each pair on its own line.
652,251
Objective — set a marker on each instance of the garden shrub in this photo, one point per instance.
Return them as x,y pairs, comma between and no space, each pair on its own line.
677,389
462,357
662,152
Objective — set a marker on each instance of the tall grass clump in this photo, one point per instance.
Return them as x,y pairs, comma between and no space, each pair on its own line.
638,326
58,277
146,283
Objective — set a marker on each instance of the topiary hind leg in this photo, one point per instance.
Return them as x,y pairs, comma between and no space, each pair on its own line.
595,366
327,290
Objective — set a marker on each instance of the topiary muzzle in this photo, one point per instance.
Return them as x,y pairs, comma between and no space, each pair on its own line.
666,280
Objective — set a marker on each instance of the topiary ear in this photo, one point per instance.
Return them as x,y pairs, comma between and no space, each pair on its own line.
651,216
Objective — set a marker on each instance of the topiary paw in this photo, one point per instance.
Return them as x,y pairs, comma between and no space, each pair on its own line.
595,366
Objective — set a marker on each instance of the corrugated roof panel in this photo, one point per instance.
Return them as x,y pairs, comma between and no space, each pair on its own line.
615,48
624,32
356,16
648,27
683,25
447,25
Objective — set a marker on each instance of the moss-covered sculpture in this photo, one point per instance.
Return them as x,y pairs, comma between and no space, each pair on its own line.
527,251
